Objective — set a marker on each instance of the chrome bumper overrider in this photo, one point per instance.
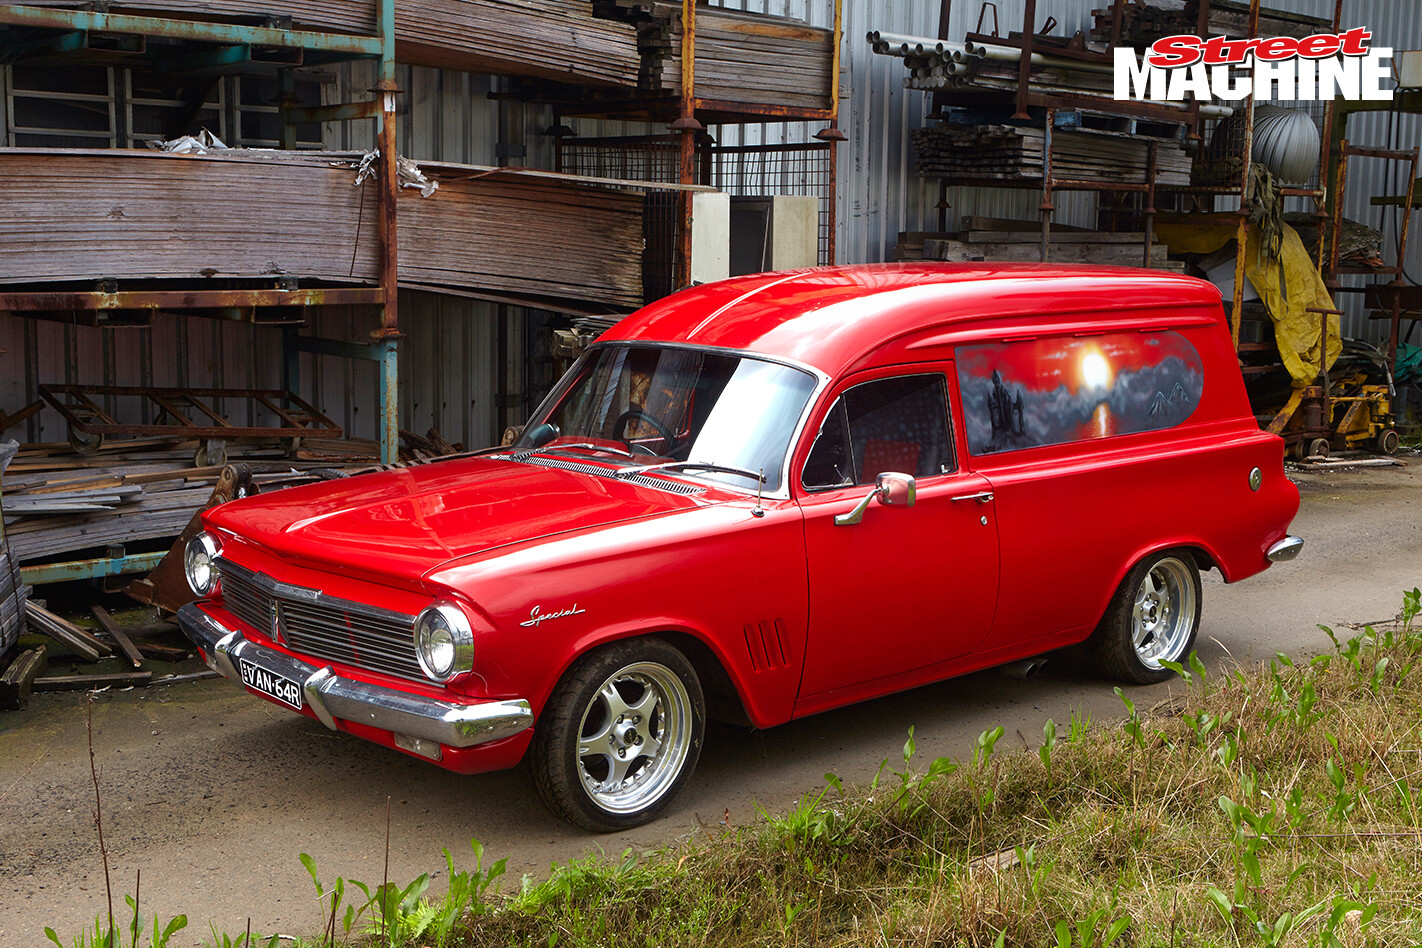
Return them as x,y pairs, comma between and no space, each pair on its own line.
1285,550
331,697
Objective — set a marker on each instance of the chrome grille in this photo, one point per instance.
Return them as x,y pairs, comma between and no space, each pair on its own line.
322,626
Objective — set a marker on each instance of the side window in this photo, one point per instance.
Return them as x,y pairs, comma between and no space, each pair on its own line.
897,424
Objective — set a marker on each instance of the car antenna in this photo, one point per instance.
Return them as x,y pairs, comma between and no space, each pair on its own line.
757,510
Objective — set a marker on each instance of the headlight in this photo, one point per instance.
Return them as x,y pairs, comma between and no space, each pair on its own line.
200,564
444,641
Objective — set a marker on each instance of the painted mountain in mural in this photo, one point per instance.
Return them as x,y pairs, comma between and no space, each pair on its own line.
1048,391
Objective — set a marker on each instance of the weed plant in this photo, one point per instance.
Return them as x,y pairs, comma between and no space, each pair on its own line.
1271,806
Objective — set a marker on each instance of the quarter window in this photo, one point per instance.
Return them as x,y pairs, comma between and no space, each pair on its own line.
897,424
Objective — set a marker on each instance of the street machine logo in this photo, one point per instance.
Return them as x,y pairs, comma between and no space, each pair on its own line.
1281,68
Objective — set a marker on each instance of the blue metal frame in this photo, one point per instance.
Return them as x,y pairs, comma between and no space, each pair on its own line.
96,568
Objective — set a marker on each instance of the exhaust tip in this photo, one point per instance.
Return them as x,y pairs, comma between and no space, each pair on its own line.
1028,668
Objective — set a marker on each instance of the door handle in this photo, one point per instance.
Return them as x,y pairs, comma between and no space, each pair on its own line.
982,497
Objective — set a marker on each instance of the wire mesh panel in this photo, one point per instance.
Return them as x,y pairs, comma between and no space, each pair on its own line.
794,168
802,168
655,158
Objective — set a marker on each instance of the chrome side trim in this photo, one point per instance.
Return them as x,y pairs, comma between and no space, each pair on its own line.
1285,550
333,698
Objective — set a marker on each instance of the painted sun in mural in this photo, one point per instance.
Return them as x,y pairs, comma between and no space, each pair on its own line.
1095,370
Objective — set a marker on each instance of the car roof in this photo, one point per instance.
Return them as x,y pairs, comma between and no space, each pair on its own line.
830,317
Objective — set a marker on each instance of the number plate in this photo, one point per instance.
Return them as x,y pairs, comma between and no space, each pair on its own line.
271,684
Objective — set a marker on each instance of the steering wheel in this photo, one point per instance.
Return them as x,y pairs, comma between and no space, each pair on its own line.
619,428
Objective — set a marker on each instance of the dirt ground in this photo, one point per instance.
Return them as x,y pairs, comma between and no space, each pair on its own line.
211,794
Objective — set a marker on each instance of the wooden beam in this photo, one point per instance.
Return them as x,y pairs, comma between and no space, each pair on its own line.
62,630
118,635
90,682
18,679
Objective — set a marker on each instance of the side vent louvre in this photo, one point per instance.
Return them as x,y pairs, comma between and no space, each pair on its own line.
765,641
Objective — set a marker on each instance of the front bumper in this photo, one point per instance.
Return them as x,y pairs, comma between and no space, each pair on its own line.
332,698
1285,550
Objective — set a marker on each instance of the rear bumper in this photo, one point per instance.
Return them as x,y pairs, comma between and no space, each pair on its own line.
1285,550
332,698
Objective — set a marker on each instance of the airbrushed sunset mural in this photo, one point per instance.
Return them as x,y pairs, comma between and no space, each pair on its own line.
1048,391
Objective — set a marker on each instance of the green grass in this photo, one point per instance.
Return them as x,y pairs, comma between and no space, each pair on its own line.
1273,805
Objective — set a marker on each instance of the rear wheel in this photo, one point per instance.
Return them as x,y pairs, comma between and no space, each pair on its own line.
1152,618
620,735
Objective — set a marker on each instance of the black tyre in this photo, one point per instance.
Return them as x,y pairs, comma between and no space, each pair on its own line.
619,736
1153,617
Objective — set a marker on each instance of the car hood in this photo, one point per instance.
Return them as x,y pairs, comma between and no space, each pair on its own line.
403,523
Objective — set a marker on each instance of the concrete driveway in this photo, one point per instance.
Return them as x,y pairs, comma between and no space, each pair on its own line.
212,793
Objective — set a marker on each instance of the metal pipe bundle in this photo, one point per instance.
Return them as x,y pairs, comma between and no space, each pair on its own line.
936,65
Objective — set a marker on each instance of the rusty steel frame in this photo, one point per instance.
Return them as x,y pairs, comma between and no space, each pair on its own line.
299,416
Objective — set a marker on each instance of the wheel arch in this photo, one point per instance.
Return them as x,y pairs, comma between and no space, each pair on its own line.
725,700
1205,559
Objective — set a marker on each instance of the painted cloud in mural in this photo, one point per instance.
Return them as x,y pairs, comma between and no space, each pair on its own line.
1048,391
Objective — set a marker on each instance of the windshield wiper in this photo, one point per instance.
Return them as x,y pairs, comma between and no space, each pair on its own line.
527,453
756,476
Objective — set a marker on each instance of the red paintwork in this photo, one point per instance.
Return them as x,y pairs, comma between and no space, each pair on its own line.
802,615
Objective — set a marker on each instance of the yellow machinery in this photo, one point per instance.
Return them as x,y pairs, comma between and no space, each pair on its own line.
1337,416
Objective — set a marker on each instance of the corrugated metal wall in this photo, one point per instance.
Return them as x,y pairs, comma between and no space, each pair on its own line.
1399,25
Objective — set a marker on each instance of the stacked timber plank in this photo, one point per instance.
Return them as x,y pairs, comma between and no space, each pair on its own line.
1015,153
756,59
523,234
1021,242
258,214
741,57
181,216
550,39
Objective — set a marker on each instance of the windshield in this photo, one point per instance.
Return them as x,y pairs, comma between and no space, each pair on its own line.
663,404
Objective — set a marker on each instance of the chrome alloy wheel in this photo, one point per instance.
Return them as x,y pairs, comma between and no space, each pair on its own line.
1163,616
634,737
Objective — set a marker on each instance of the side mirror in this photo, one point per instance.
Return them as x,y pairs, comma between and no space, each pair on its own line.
893,490
896,490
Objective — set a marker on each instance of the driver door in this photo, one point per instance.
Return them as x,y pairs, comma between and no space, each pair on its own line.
905,588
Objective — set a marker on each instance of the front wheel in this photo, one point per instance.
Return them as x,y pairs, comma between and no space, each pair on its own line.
1152,618
619,736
